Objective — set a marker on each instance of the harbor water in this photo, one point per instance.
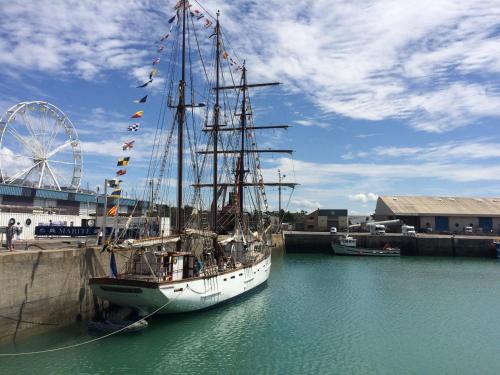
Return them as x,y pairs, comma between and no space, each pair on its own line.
318,314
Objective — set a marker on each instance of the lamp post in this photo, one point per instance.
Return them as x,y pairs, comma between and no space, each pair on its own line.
105,212
280,178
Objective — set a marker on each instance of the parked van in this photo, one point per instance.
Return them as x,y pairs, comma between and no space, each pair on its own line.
408,230
377,229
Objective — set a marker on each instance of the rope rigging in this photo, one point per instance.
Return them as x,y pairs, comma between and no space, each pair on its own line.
199,84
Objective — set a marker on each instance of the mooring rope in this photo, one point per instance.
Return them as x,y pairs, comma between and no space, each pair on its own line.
194,291
88,341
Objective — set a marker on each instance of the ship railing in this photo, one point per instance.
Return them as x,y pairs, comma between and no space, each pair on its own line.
211,270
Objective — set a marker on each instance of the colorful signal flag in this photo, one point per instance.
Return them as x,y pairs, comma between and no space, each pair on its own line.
143,100
116,193
128,145
123,162
112,211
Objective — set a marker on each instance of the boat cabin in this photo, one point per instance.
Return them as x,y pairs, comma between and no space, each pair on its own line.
164,266
348,241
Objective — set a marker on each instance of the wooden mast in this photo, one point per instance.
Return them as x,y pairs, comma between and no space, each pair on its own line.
243,122
181,109
215,128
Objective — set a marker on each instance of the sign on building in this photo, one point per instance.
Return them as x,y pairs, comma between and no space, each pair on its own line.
56,231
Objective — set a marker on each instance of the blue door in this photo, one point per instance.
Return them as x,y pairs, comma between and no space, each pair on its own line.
441,223
486,223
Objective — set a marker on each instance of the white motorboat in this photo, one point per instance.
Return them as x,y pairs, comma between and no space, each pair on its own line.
348,246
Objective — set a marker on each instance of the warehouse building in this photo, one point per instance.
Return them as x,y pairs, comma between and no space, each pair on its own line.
442,214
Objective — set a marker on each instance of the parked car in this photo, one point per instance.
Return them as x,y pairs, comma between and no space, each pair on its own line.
468,229
333,230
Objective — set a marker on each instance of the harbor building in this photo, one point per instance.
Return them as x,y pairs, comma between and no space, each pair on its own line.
442,214
31,207
322,220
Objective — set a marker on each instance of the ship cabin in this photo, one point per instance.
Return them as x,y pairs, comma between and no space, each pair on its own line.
163,266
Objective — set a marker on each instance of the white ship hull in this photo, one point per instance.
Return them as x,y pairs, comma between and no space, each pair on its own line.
183,295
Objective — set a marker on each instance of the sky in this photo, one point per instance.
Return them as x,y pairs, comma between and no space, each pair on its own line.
383,97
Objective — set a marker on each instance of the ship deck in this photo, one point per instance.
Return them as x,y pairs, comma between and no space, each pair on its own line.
155,282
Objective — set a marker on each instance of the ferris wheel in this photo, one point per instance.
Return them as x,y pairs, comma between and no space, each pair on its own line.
39,147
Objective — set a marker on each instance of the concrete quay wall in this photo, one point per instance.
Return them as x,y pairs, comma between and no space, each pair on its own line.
47,289
423,245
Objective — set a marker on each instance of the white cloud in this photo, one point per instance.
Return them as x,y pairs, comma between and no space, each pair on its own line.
12,164
473,149
374,61
305,204
397,152
304,122
457,105
434,63
351,184
362,197
74,37
313,174
311,122
349,155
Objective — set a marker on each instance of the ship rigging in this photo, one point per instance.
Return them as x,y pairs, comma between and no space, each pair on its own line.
221,245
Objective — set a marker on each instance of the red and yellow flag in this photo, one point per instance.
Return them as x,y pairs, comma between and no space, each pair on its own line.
138,114
112,211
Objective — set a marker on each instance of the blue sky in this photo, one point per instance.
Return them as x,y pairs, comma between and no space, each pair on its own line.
384,97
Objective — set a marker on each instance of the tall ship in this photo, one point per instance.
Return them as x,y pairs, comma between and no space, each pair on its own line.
205,151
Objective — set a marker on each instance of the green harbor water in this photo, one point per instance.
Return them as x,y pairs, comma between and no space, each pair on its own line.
319,314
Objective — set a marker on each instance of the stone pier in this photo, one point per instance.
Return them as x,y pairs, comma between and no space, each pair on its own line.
422,244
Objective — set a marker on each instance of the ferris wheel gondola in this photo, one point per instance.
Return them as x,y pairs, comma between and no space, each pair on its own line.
39,147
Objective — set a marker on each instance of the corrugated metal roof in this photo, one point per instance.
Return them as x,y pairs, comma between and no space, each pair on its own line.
439,206
11,190
59,195
51,194
123,201
127,202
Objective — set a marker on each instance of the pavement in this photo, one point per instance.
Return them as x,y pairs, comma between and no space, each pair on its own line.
49,244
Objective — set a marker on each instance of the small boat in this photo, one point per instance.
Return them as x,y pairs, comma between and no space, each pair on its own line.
347,246
113,325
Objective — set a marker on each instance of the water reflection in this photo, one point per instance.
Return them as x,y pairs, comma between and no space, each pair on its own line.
318,314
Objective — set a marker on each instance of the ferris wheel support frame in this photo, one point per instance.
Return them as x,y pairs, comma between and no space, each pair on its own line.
40,145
